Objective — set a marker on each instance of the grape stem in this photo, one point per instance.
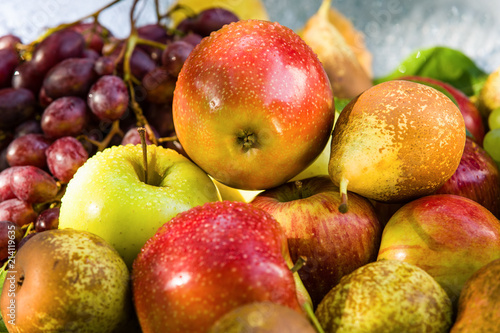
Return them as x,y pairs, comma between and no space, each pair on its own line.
101,145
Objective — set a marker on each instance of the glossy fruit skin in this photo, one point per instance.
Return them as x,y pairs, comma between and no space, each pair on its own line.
67,281
397,141
250,99
479,302
216,256
448,236
477,177
130,211
334,244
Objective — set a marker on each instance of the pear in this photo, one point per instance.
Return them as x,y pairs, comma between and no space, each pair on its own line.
386,296
340,49
262,317
479,302
397,141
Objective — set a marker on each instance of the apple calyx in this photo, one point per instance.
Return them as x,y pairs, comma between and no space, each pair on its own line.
247,140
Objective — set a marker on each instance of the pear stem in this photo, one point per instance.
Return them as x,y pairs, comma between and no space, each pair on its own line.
142,133
312,317
301,261
343,208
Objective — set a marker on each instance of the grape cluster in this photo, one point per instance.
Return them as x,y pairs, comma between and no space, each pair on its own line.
491,142
75,91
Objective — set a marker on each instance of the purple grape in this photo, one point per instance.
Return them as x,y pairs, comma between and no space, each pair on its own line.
6,192
25,239
60,45
92,33
70,77
104,65
9,42
160,117
30,126
108,98
159,86
32,184
16,106
8,63
66,116
175,55
90,54
10,236
192,38
64,157
207,20
26,76
133,137
18,211
28,149
47,219
154,32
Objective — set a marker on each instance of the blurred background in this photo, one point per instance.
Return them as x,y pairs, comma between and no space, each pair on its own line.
392,28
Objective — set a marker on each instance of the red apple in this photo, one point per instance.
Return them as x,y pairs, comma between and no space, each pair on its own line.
472,116
449,236
207,261
334,244
477,178
253,105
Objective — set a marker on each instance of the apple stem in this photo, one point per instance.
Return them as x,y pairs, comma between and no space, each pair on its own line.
298,185
343,208
301,261
142,133
312,317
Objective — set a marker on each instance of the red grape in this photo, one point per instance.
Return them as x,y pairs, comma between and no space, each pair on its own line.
32,184
108,98
64,157
70,77
66,116
47,219
92,33
18,211
160,117
104,65
6,192
27,127
28,149
133,137
16,106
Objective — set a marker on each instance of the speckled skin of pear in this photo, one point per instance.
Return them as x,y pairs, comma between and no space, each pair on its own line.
253,105
383,297
449,236
67,281
479,303
108,196
208,261
397,141
262,317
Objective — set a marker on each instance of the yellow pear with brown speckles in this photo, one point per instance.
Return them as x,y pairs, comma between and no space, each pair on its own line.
397,141
386,296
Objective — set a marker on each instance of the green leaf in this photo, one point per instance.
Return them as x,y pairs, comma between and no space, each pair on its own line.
443,64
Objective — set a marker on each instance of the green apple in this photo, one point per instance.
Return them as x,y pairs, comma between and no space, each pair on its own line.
109,196
66,281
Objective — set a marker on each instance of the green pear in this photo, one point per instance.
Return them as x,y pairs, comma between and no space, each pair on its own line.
66,281
386,296
479,302
262,317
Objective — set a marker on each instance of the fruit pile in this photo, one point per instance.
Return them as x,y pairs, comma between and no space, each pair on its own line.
218,172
